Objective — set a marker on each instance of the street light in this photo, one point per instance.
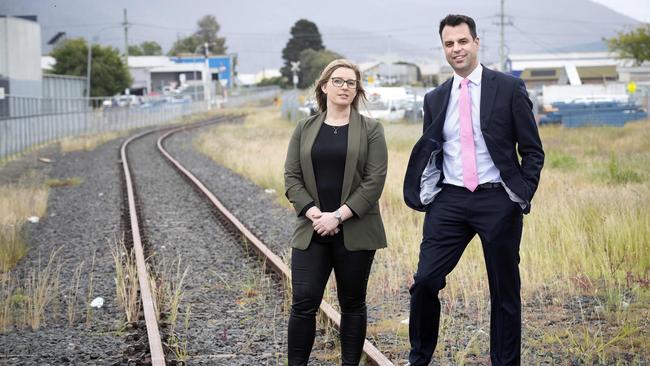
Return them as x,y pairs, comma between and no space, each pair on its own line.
92,41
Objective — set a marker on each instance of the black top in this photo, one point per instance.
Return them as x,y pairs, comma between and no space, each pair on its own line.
328,159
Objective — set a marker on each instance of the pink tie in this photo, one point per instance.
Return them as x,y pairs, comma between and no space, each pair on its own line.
467,149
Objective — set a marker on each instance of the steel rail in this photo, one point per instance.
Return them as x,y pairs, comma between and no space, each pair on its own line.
148,301
372,353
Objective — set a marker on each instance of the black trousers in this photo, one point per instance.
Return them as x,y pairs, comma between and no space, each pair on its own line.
453,218
310,270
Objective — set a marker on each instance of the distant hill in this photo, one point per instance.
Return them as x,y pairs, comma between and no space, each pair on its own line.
258,30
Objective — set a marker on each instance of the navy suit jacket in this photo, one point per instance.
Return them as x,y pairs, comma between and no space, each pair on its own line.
508,126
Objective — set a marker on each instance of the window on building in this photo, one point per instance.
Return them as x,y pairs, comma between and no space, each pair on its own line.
542,73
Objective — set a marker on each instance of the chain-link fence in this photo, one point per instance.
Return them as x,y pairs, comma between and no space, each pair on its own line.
240,97
29,122
298,104
26,123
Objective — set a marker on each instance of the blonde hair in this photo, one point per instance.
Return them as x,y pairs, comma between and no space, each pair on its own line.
321,97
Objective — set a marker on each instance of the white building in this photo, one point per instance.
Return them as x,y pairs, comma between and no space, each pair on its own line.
573,68
20,51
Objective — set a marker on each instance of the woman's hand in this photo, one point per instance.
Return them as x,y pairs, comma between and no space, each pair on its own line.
313,213
326,224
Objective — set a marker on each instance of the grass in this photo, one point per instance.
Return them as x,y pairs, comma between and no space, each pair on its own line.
588,236
72,295
88,143
41,288
126,281
24,302
66,182
17,203
168,291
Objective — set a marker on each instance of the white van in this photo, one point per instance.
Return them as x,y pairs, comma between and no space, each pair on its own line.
387,103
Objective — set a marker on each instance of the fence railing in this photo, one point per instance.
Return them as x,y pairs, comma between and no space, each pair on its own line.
27,122
297,104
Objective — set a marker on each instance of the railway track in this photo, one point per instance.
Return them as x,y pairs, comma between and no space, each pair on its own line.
156,354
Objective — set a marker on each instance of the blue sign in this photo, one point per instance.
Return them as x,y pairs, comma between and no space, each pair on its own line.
220,63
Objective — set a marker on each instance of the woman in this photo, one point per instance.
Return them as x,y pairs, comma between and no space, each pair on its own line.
334,174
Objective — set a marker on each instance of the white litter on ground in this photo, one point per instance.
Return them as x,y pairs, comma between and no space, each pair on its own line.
98,302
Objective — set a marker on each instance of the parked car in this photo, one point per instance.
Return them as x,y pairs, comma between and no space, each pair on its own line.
179,99
310,107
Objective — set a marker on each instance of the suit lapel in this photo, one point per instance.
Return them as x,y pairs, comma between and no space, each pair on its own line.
438,121
488,92
309,137
354,142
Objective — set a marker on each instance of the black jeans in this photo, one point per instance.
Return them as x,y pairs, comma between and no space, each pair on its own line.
310,270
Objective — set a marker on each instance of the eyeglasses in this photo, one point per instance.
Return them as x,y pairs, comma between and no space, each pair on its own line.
338,82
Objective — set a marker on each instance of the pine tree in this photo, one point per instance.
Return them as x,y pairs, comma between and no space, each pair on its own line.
304,35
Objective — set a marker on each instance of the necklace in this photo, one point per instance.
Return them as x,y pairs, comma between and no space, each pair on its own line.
336,128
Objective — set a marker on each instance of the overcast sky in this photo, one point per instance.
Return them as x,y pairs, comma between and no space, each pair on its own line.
362,30
637,9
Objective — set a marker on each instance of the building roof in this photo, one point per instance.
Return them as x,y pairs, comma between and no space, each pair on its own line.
149,61
554,60
182,68
47,62
365,66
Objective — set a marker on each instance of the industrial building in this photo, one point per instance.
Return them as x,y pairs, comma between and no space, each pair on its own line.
20,50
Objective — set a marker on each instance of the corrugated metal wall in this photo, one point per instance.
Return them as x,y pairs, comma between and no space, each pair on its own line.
63,86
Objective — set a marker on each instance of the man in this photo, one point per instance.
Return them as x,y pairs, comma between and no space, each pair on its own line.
465,174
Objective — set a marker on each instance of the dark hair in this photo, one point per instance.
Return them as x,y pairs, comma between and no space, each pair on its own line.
454,20
321,97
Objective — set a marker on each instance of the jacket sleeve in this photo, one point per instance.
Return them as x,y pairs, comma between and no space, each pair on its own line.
294,184
369,190
529,144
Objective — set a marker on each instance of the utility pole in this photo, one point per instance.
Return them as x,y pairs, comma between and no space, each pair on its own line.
502,51
502,44
126,39
483,46
206,75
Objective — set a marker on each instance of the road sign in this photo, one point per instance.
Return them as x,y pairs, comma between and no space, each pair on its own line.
631,87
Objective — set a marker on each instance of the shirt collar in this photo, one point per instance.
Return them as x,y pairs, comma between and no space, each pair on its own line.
474,77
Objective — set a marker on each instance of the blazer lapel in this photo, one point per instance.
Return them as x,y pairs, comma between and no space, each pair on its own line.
488,92
354,142
309,137
435,129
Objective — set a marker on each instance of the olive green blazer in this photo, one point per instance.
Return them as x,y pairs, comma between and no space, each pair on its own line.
363,181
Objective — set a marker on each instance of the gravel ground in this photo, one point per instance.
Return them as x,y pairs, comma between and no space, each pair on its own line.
82,221
252,205
237,314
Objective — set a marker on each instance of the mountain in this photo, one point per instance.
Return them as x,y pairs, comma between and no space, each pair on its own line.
361,30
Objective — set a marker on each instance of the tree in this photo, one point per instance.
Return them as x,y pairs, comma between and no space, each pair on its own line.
207,33
634,44
147,48
276,80
304,35
312,64
108,73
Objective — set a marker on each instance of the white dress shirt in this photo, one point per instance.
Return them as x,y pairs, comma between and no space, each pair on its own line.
452,163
